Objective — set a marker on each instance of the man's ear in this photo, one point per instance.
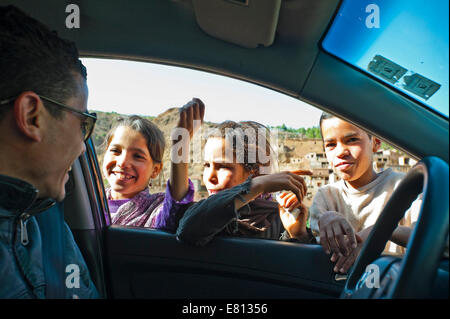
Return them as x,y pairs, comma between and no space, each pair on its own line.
376,144
28,113
157,167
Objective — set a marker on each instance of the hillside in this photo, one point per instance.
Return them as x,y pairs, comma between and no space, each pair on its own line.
295,147
292,146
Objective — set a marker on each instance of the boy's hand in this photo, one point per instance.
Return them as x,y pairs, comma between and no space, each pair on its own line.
191,116
336,235
344,263
294,225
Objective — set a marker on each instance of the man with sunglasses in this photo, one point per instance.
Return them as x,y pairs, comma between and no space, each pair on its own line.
44,124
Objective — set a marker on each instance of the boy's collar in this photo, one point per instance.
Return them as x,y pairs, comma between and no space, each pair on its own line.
379,176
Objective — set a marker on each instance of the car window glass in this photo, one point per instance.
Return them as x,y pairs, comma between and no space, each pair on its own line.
404,44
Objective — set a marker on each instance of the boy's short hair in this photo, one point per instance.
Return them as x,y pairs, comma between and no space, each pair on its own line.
33,58
152,134
325,116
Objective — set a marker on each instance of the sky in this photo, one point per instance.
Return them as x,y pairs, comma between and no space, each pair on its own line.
128,87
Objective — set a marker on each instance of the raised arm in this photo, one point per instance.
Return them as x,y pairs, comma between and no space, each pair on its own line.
191,118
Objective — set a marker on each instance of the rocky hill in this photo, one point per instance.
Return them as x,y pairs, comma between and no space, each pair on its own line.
291,147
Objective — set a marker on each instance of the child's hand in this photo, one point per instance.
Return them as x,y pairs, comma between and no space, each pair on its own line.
336,235
284,181
279,182
191,116
294,224
344,263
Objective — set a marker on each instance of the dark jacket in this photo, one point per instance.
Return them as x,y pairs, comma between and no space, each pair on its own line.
217,215
38,255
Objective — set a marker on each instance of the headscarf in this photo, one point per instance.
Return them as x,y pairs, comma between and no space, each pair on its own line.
139,211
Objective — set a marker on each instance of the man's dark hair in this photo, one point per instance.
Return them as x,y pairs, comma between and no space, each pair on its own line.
33,58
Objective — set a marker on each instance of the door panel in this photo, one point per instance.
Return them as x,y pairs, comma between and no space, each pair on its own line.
146,263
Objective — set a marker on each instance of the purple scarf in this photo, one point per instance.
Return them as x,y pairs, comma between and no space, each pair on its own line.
139,211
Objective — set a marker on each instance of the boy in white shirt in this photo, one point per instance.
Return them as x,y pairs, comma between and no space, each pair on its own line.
343,213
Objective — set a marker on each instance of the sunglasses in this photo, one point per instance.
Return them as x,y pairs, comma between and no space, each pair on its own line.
87,122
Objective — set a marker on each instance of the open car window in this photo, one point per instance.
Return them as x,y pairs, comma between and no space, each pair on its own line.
156,91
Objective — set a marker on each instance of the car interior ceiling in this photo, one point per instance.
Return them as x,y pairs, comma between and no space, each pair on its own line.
166,32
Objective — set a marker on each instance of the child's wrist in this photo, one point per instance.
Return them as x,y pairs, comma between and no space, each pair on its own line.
303,238
301,235
256,187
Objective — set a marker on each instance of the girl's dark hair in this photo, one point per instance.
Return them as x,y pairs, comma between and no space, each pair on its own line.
255,138
152,134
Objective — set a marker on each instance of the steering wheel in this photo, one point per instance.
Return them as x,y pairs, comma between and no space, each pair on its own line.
411,276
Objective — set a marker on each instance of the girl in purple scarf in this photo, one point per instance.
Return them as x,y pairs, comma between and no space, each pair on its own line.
133,156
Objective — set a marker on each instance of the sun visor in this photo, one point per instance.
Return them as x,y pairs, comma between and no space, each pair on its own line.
248,23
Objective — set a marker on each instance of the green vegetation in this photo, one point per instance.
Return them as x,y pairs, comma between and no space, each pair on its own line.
314,132
385,146
310,132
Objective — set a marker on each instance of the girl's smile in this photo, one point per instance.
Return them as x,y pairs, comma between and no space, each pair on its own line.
128,165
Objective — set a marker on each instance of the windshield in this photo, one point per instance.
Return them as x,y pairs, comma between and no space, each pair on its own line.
403,43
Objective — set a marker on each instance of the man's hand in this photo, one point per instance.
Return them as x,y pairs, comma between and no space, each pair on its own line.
294,225
336,235
344,263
